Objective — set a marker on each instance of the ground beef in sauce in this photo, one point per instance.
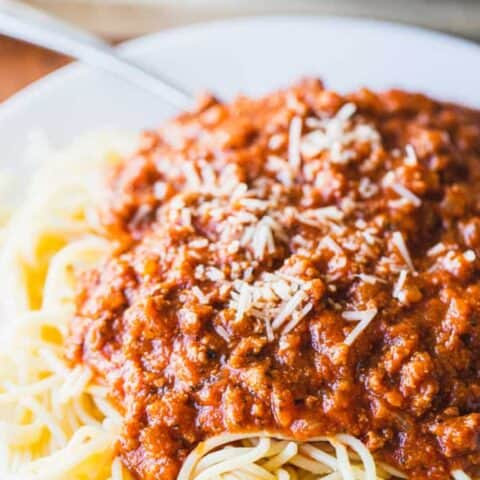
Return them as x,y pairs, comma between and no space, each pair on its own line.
253,238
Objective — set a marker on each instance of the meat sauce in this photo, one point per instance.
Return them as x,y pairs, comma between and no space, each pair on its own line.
303,264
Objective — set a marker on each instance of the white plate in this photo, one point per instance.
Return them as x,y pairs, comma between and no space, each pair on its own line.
250,56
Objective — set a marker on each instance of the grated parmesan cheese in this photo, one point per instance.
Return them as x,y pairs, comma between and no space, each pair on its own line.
460,475
334,135
269,330
186,216
329,243
234,247
297,318
198,243
160,190
288,309
294,136
254,203
274,299
398,292
223,333
437,249
330,213
367,188
411,158
360,224
405,193
399,242
364,317
276,141
202,298
371,279
192,177
214,274
263,238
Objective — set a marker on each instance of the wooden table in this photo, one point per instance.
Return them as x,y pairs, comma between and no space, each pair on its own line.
21,64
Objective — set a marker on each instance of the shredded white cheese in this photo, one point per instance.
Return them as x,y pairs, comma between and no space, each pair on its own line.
460,475
294,136
260,234
367,188
411,158
263,240
297,318
330,213
335,135
269,330
371,279
398,292
273,298
437,249
469,256
242,301
192,177
222,332
363,317
288,309
202,298
198,243
329,243
399,242
405,193
186,216
214,274
276,141
160,190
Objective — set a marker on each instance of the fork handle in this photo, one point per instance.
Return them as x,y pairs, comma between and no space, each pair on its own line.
34,26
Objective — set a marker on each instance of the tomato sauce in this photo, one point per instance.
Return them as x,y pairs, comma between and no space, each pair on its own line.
304,264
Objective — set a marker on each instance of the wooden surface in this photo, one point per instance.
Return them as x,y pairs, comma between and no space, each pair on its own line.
126,18
21,64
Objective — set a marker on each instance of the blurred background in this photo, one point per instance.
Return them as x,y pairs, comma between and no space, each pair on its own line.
119,20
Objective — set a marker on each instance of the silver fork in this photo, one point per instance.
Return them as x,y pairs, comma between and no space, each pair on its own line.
34,26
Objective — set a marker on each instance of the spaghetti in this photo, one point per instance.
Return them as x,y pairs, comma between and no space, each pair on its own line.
62,419
57,422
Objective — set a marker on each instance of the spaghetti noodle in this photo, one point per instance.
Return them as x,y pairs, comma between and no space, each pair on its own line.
57,422
60,420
